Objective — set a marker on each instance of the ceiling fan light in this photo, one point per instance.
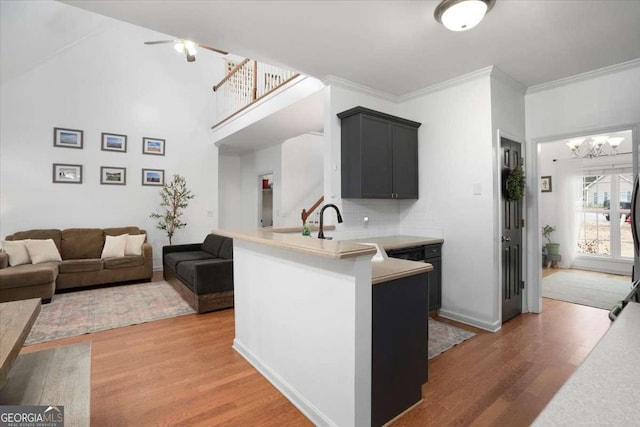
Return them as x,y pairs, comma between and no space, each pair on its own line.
462,15
575,143
179,47
599,140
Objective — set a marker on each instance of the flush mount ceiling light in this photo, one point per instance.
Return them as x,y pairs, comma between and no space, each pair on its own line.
462,15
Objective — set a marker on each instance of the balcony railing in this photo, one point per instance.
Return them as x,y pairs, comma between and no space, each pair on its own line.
246,83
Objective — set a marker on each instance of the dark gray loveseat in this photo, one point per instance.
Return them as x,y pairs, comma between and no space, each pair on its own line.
202,272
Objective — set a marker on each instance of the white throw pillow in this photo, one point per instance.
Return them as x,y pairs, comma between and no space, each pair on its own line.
134,244
17,252
42,250
114,246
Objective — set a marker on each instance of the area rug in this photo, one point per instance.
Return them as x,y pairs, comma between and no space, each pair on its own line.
442,337
59,376
82,312
585,289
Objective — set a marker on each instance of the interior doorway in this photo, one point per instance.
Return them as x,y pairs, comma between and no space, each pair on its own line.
265,190
585,196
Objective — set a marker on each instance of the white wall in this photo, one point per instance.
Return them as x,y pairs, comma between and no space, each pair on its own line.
109,82
302,176
383,214
230,191
456,151
253,165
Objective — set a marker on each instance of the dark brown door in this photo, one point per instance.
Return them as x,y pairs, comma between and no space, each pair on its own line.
511,238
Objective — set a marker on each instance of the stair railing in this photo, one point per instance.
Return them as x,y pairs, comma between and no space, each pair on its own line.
307,213
245,84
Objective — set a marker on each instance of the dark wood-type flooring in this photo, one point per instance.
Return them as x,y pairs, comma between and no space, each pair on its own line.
183,371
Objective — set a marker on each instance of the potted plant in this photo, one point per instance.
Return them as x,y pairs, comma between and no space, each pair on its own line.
552,248
175,197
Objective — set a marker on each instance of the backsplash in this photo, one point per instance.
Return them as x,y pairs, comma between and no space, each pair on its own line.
383,218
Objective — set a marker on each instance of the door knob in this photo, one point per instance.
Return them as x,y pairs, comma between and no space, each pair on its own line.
506,239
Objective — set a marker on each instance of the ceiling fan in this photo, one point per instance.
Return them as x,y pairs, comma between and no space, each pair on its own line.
187,47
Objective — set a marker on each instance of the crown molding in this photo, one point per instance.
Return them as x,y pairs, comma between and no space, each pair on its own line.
347,84
498,74
483,72
616,68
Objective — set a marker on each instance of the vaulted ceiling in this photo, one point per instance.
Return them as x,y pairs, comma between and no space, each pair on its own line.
396,46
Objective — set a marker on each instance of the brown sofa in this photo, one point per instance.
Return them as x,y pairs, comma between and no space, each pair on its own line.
80,249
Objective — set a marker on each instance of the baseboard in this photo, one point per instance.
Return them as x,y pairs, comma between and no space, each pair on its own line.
310,411
471,321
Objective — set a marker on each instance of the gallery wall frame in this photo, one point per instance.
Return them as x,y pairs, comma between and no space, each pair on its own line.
114,142
113,175
545,184
153,177
67,174
68,138
153,146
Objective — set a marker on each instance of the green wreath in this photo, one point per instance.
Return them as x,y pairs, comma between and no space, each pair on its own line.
515,184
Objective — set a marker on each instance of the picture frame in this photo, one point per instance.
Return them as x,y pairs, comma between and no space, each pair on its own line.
114,142
113,175
545,184
153,177
67,174
68,138
153,146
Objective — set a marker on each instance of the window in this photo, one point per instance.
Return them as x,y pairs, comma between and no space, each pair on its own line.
604,217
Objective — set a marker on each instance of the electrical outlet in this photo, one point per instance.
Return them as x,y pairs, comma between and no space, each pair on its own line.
365,222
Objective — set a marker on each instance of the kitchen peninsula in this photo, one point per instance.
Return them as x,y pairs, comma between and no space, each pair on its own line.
320,321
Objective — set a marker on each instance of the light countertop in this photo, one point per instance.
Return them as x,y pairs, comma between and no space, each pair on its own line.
399,242
605,389
382,271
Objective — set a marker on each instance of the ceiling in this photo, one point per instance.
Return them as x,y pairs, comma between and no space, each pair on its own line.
397,46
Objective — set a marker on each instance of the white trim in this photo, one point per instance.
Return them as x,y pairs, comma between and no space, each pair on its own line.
347,84
616,68
298,400
472,321
483,72
505,78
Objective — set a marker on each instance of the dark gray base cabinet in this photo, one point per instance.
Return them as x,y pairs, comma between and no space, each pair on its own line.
379,155
433,255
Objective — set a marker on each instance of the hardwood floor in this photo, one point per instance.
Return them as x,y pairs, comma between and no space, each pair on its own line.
183,371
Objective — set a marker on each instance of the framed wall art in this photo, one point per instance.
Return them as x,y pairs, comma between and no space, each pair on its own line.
545,184
69,138
153,146
153,177
111,175
114,142
67,174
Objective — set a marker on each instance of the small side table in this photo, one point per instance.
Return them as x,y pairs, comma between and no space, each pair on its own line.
552,260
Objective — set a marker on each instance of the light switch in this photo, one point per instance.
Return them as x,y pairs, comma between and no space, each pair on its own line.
477,189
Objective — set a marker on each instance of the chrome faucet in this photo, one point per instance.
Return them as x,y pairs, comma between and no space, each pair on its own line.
320,231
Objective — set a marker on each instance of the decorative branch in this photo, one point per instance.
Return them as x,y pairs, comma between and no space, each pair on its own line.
175,198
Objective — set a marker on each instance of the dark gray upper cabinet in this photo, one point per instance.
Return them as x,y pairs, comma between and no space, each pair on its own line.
379,155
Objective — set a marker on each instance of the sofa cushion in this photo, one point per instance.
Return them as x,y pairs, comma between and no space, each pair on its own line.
123,262
28,275
172,259
226,250
16,251
78,265
134,244
114,246
118,231
207,276
44,234
42,251
82,243
212,244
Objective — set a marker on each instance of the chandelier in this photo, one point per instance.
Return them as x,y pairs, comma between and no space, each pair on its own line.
595,146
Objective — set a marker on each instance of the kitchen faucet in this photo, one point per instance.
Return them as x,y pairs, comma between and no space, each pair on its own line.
320,231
